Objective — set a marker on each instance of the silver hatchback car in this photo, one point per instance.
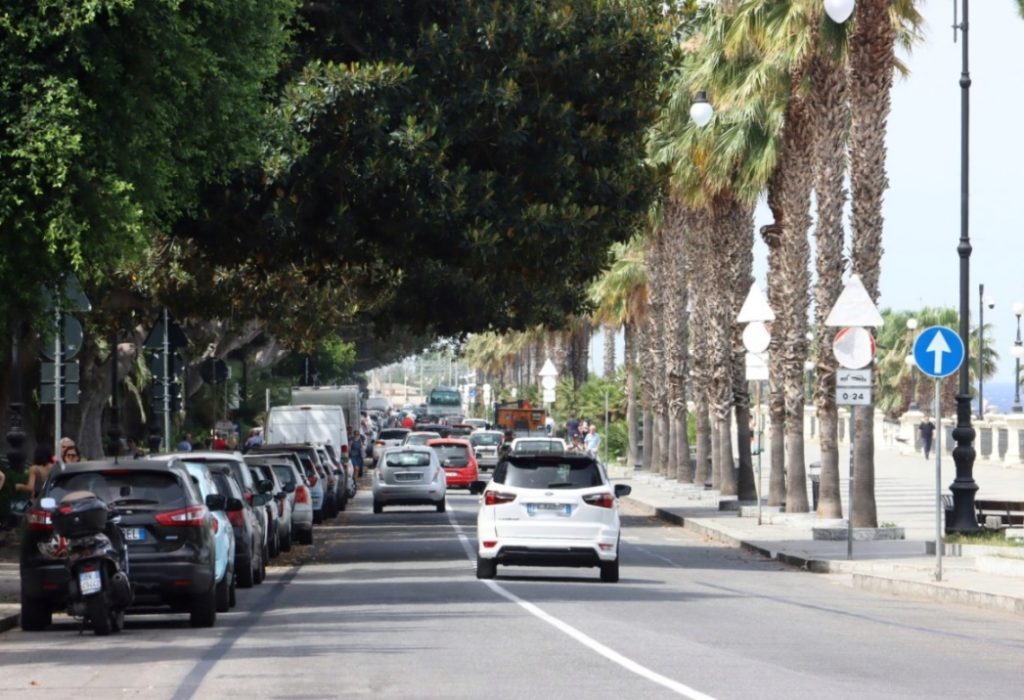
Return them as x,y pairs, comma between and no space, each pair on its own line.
409,475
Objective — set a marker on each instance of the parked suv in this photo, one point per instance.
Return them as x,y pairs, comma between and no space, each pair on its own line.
549,510
166,525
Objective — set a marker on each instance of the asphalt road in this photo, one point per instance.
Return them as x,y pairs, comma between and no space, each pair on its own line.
388,606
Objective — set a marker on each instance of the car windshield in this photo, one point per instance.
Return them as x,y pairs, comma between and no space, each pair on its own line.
285,474
549,475
485,439
408,459
118,486
421,438
455,454
392,434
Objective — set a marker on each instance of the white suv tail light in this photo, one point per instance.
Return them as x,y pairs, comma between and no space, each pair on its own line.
494,498
601,500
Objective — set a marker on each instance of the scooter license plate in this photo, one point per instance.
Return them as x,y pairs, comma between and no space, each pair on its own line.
89,582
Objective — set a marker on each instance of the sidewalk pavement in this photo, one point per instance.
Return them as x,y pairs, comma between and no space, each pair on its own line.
984,577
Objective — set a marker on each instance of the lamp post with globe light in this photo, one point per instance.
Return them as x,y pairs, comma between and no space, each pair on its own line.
1018,352
701,110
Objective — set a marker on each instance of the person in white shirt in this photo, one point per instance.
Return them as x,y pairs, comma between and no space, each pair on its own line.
592,441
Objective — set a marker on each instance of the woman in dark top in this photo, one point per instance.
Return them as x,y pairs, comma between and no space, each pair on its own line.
42,464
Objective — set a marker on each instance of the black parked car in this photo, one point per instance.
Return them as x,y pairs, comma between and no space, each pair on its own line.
166,525
250,566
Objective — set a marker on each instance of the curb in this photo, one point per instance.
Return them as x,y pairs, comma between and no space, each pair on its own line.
871,582
937,592
9,621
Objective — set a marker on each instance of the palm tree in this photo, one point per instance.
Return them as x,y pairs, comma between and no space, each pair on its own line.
872,63
620,300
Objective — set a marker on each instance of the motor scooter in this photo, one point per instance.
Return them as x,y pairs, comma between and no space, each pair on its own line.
99,590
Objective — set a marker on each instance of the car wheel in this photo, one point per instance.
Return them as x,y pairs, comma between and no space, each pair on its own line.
318,516
306,537
440,506
274,548
224,593
378,507
257,572
232,597
286,543
344,503
486,568
35,614
117,621
245,578
610,571
263,569
203,610
99,614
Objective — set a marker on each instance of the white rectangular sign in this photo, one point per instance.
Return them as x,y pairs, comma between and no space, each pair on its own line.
853,378
846,396
757,366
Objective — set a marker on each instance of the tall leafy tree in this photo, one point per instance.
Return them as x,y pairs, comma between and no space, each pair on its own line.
467,149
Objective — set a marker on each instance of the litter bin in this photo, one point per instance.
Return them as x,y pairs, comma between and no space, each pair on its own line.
814,474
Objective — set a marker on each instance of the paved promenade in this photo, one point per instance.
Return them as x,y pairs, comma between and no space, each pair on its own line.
990,577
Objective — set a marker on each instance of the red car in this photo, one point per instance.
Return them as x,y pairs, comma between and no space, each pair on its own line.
458,460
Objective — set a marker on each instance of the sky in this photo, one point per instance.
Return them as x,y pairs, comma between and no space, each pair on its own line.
920,264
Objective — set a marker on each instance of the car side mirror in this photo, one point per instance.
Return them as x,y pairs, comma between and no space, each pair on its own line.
289,488
216,501
261,499
264,485
48,503
233,505
477,487
623,490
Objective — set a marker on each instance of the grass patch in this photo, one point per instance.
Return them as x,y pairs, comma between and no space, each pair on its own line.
990,538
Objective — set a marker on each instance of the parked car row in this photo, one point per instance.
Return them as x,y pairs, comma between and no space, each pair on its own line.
197,525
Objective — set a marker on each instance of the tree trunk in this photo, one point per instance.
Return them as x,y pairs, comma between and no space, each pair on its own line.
715,437
648,446
684,474
871,68
631,413
609,332
663,443
655,441
702,474
828,108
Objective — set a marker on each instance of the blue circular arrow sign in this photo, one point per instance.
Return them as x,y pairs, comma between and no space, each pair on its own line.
938,351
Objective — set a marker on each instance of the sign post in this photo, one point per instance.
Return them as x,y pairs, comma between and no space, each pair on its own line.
756,312
938,353
854,348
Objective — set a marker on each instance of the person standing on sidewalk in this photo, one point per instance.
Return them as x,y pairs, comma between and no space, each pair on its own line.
927,429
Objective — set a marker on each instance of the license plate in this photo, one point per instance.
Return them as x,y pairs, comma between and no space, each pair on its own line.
560,509
89,582
134,534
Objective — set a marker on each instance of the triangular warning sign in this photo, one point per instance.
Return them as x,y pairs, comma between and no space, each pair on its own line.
176,336
755,308
854,307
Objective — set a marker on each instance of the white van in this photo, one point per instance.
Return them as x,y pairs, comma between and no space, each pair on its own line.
308,424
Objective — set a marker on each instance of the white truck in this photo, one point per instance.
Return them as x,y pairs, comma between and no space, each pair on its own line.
346,396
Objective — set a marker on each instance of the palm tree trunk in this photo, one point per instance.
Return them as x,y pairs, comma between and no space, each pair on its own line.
631,432
648,446
702,474
871,61
684,474
828,109
789,198
772,236
609,332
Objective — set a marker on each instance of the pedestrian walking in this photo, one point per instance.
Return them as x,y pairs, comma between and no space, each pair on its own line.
356,452
927,430
186,443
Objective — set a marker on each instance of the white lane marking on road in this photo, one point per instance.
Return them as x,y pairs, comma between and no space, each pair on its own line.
590,643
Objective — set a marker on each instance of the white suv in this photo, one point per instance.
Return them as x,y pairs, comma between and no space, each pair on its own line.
549,510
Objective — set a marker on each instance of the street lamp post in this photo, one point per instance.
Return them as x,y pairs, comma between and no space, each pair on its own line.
983,301
701,110
15,434
1018,352
964,518
909,360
